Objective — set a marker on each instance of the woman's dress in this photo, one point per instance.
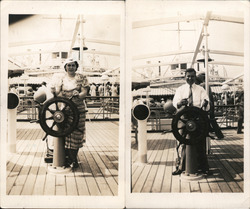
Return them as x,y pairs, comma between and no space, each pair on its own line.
77,138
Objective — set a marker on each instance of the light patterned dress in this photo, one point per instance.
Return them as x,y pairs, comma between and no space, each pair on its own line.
67,85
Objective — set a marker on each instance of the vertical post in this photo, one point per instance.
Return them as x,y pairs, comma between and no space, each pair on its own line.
141,113
159,68
13,102
40,57
142,141
147,90
12,130
206,59
59,152
81,43
207,76
191,160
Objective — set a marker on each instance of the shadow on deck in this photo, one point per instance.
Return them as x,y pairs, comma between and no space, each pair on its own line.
225,161
97,174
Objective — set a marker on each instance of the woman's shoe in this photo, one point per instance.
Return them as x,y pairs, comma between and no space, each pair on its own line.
75,165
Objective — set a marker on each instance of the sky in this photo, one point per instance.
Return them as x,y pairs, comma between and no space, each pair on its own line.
164,38
147,40
48,27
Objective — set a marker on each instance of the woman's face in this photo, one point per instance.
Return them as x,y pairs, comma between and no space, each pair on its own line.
71,68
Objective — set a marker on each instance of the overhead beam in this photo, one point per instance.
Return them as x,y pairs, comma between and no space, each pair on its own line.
14,62
236,77
111,70
50,51
24,43
184,61
240,54
227,19
115,43
46,41
162,54
102,53
169,20
162,21
30,53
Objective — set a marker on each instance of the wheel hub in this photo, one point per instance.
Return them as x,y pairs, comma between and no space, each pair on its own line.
58,117
191,125
56,123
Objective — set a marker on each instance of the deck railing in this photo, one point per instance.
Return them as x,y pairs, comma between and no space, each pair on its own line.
226,117
98,108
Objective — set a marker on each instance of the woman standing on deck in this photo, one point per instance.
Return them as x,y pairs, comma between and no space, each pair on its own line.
76,85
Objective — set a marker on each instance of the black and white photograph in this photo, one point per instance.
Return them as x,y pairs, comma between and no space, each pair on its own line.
63,86
188,85
125,104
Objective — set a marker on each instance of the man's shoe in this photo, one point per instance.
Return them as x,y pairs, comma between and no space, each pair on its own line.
177,172
239,132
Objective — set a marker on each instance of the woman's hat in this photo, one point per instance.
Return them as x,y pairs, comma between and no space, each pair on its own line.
69,60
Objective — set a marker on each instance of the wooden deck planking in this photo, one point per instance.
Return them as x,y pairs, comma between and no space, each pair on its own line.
33,169
233,170
71,187
154,168
204,186
108,150
226,163
163,164
97,174
21,166
60,185
136,170
141,171
106,166
218,176
157,171
90,180
167,178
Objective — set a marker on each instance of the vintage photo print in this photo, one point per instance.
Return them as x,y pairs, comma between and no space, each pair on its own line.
61,104
189,80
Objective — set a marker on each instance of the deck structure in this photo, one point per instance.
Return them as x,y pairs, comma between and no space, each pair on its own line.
225,161
97,174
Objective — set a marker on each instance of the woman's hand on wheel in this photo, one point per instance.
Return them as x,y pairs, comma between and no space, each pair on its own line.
75,93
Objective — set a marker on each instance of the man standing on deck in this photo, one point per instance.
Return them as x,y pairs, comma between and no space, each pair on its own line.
192,95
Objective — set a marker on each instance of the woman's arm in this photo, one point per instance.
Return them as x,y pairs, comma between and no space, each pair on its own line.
82,87
83,93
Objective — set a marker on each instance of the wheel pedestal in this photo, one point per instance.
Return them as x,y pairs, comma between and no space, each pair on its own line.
141,113
191,172
58,165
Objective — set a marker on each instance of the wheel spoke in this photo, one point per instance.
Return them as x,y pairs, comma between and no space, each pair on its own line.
182,127
63,109
54,123
196,118
50,118
51,111
57,107
184,134
184,120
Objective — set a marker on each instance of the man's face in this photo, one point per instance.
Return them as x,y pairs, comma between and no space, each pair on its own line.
190,77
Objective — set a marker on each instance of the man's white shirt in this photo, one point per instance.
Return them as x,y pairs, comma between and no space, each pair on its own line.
199,95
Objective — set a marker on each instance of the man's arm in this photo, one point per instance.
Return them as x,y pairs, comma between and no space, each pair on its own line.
178,100
205,100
